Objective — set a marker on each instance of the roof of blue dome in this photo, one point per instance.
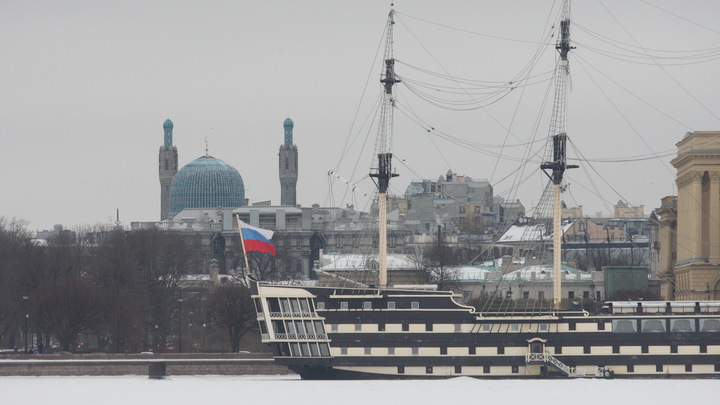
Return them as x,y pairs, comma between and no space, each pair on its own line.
288,123
167,124
206,182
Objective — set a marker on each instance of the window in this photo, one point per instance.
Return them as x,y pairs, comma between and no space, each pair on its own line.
428,369
458,369
543,327
682,325
624,326
501,350
405,327
571,326
458,327
558,349
709,325
515,369
653,325
571,295
673,348
471,350
659,368
415,305
381,327
391,305
526,295
462,209
428,327
443,350
586,349
358,327
616,349
688,368
401,369
514,327
644,349
368,351
367,305
343,305
541,295
324,351
320,305
391,351
586,294
486,369
477,209
630,368
601,325
415,351
343,350
703,348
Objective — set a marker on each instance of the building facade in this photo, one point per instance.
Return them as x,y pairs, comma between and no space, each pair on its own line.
697,270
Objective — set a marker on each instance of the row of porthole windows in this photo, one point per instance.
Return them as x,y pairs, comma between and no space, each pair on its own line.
458,369
472,350
659,368
367,305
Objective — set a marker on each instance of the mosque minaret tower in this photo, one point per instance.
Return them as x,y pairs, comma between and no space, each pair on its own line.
167,167
288,161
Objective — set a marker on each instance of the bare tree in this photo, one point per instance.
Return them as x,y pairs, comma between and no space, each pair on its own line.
66,309
231,307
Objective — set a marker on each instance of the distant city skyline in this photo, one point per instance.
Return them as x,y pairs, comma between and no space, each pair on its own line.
88,85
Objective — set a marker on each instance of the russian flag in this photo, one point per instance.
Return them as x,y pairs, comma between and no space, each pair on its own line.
256,239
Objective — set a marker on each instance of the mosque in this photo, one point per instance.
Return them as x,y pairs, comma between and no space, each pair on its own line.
210,183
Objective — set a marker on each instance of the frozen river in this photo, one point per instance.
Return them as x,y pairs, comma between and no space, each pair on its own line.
241,390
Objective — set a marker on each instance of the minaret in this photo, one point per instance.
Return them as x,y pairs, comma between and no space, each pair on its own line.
288,161
167,167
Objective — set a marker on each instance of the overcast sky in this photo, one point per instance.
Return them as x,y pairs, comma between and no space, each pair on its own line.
86,85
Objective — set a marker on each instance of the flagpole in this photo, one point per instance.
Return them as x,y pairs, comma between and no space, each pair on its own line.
242,242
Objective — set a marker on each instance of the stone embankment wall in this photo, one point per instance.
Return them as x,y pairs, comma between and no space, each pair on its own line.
107,364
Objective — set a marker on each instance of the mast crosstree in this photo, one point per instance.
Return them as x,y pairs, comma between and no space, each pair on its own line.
383,148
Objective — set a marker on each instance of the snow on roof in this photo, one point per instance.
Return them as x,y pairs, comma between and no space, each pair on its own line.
525,233
349,262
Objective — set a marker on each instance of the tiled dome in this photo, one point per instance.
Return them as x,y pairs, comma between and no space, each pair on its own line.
206,182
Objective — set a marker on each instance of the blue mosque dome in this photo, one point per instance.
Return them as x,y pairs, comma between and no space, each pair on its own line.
168,124
206,182
288,123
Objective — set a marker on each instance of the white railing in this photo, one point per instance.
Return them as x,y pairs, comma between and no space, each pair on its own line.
299,336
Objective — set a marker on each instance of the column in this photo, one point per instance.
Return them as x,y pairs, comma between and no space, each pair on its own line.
714,218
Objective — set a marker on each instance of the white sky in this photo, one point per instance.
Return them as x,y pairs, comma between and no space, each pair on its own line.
272,390
86,85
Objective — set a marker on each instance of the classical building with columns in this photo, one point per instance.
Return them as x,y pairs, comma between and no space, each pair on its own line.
696,274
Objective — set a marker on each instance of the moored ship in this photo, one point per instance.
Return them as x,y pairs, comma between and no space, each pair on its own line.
382,332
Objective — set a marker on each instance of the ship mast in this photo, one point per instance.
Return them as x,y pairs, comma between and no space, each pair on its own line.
382,167
555,163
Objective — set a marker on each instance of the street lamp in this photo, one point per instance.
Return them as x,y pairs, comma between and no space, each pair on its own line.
25,302
180,301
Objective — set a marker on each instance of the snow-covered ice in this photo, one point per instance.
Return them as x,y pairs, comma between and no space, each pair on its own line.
237,390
